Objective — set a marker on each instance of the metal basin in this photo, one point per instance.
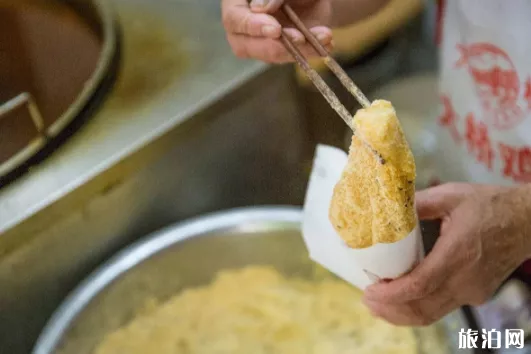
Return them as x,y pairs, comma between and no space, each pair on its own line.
186,255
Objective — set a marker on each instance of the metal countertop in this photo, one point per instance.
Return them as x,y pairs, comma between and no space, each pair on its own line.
171,68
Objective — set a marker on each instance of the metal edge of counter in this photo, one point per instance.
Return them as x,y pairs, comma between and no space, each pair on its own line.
19,216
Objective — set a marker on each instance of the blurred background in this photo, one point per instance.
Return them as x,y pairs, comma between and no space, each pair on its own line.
121,117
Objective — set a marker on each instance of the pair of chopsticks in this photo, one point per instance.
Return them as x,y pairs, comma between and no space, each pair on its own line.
321,85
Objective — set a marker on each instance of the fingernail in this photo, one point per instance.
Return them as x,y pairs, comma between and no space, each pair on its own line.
298,40
322,37
295,36
269,31
259,3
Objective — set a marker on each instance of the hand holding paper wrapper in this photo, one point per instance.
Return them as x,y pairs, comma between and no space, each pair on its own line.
380,253
386,261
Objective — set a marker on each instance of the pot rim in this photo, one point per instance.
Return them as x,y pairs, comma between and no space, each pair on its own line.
257,218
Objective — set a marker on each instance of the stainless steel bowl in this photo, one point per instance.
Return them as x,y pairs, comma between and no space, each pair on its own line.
178,257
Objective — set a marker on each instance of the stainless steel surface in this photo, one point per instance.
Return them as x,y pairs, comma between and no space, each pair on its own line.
172,83
24,99
170,143
238,152
99,15
180,257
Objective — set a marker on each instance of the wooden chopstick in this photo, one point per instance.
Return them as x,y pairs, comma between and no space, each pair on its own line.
329,61
317,80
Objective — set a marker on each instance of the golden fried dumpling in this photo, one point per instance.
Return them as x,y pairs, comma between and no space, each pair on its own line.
374,200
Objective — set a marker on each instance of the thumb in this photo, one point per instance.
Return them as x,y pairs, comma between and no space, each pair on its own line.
437,202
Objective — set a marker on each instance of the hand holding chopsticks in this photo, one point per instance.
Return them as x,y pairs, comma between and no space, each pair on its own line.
253,28
321,85
271,31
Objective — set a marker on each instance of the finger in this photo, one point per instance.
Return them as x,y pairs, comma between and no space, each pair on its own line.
430,204
416,313
239,19
437,202
323,34
422,281
296,36
269,6
273,7
268,50
398,315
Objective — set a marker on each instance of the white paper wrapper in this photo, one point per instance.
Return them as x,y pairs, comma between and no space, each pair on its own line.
360,267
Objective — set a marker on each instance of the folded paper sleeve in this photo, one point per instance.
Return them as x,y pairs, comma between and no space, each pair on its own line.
360,267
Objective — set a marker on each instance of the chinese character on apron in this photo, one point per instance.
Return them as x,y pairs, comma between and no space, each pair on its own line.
484,126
